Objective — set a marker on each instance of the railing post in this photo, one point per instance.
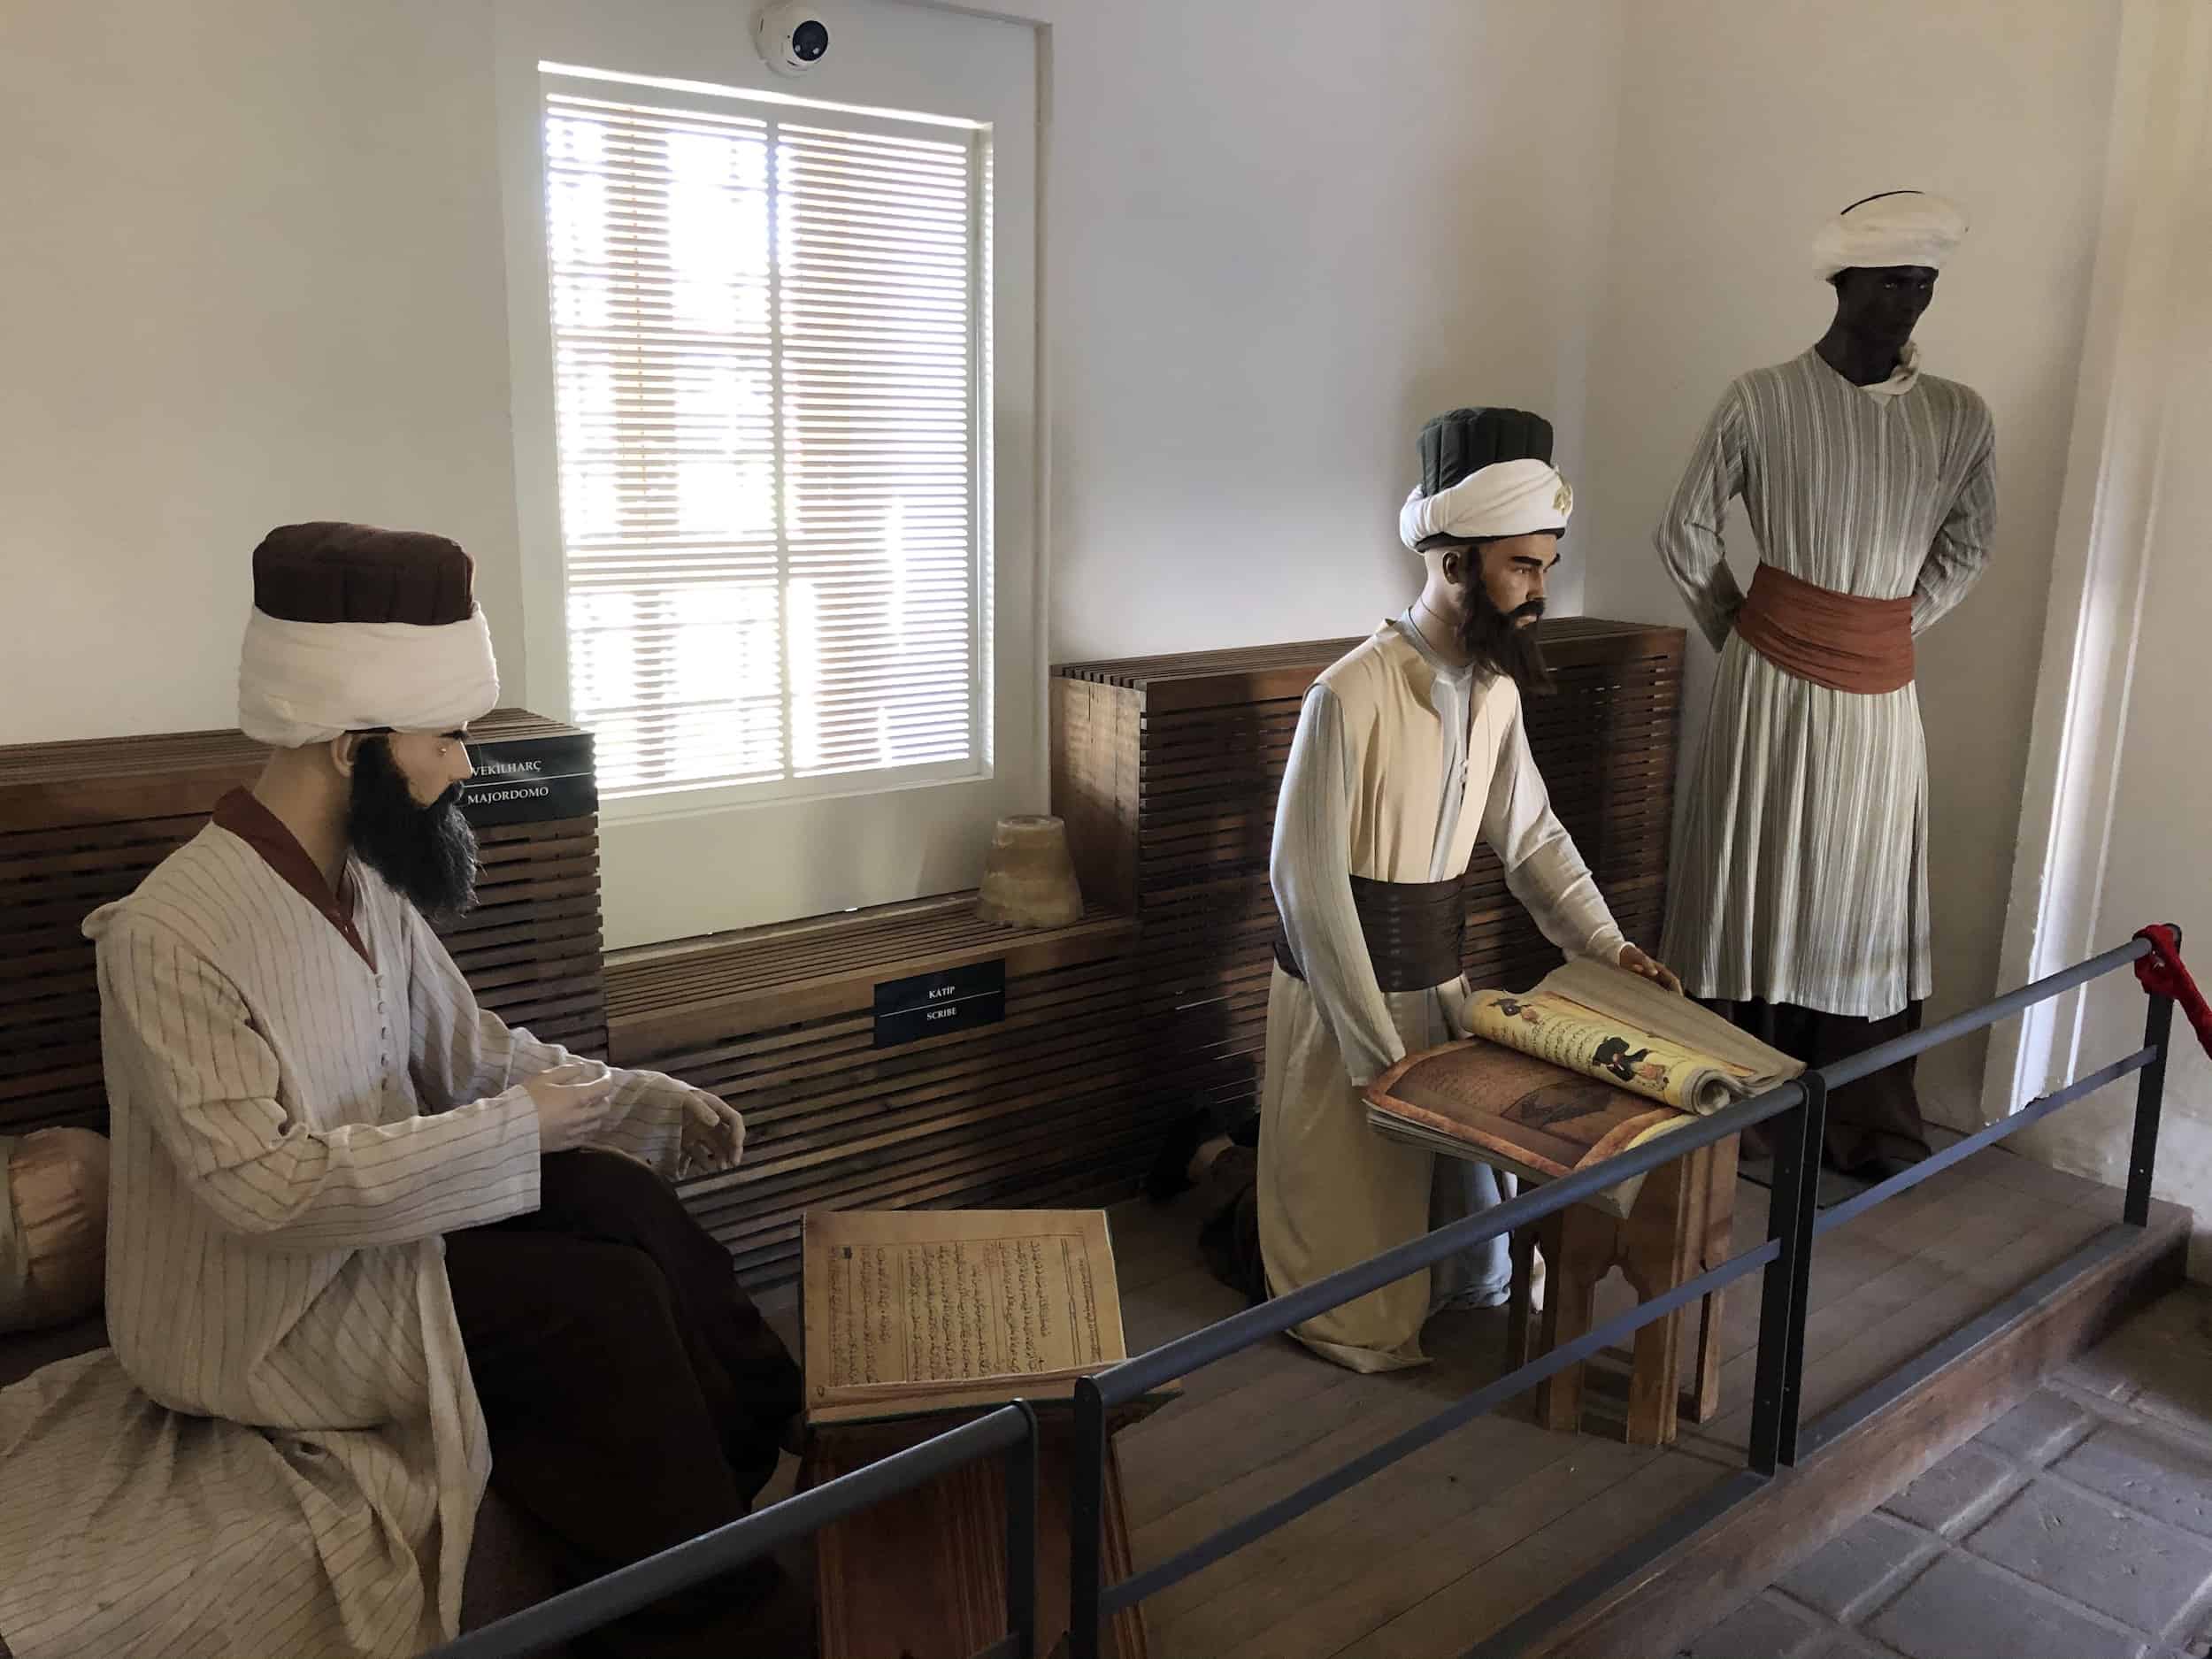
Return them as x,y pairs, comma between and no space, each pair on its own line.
1087,1509
1021,1536
2150,1098
1811,1148
1792,1209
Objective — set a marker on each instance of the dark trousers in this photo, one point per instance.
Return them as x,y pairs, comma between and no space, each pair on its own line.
1873,1122
1229,1237
634,1394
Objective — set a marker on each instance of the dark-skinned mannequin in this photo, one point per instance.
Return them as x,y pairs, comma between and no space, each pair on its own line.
1876,309
1798,903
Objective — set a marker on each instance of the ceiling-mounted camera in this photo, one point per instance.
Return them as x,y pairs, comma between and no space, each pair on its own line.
793,38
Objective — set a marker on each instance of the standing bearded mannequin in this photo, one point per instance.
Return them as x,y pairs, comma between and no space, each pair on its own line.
1406,751
1799,907
369,1248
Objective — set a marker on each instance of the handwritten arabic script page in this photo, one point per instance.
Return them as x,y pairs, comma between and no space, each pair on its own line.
928,1310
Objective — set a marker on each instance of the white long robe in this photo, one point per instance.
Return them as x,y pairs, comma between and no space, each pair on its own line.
1391,748
1800,873
282,1453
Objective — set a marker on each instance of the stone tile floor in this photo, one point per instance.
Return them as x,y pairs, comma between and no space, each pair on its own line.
2077,1526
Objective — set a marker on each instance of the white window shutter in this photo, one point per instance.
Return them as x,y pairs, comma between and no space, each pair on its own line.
765,335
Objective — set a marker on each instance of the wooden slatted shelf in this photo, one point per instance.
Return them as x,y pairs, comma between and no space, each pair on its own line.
1166,770
780,1021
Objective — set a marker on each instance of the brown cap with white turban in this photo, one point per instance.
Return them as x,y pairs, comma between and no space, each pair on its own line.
355,628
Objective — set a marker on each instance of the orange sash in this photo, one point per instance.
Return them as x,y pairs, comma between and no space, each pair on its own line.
1839,641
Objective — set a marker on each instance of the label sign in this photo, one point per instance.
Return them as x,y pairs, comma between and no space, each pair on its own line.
916,1023
942,986
933,1005
530,779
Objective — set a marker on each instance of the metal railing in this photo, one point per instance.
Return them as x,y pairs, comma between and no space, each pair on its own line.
1793,1221
1011,1430
1777,1439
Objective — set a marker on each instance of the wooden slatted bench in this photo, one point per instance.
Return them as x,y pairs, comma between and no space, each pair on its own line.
81,823
1045,1107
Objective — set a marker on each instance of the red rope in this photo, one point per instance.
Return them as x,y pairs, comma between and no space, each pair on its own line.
2162,975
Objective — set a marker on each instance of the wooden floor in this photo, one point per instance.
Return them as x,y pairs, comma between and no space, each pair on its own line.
1426,1558
1432,1555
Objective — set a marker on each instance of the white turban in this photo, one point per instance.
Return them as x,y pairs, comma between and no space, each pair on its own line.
1903,227
354,628
306,682
1504,499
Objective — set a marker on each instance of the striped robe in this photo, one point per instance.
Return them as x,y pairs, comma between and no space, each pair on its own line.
1800,873
282,1453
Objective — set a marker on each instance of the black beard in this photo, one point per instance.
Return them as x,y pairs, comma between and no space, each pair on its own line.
1499,643
427,854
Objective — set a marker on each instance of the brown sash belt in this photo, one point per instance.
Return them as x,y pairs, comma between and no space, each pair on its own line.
1415,931
1839,641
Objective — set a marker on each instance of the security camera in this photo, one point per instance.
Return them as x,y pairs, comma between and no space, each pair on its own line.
792,37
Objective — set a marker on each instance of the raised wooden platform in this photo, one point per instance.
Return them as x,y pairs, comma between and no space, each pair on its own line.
1435,1555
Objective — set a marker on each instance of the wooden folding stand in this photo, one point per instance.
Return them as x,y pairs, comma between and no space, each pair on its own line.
1681,1224
924,1575
912,1322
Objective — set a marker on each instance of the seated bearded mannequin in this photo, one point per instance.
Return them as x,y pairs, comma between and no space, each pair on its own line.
1407,750
370,1247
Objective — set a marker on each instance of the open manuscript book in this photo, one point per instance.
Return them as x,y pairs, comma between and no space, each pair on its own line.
1592,1062
913,1312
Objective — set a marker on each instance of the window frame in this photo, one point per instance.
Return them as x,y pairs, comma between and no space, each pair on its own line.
691,799
676,865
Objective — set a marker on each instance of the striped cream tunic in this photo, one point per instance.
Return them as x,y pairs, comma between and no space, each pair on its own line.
282,1453
1800,873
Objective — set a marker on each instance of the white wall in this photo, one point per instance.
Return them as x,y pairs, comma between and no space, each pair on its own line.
2141,582
2156,868
1741,126
252,273
1279,238
255,274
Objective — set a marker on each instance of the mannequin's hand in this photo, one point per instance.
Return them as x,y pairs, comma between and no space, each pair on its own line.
1634,960
573,1102
713,1135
